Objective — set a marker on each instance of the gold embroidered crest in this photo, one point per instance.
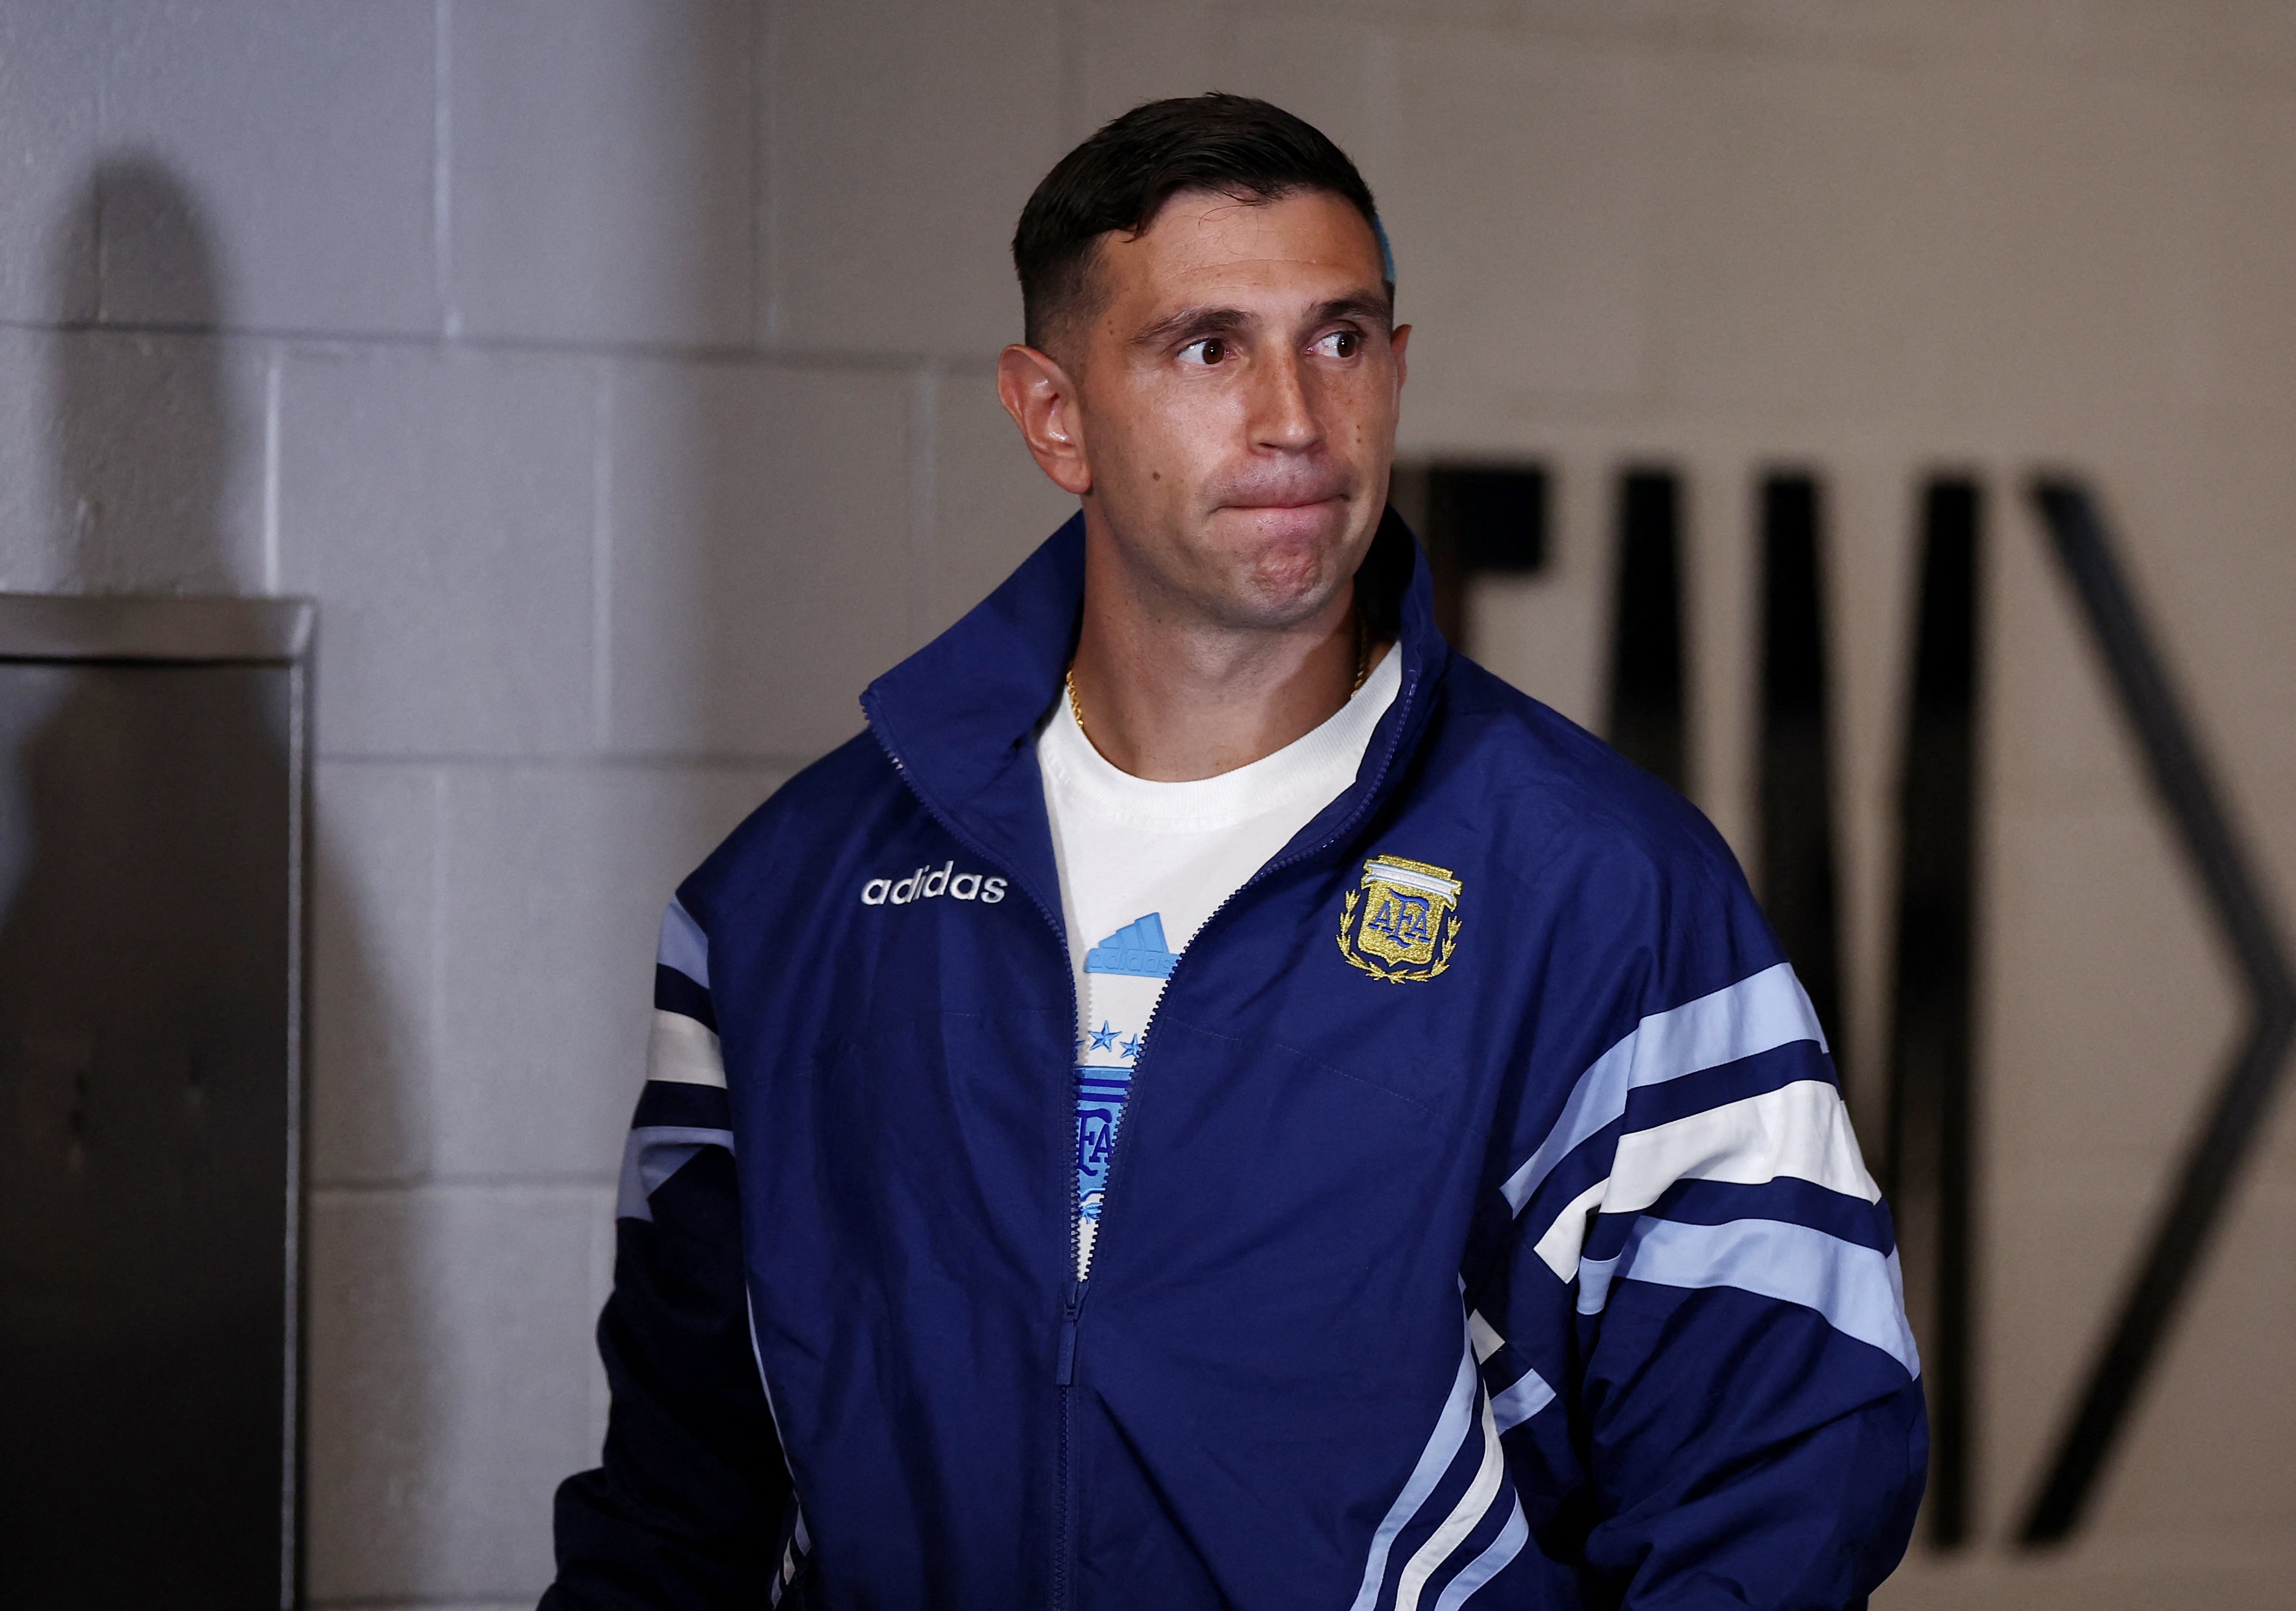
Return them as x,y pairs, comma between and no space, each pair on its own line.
1401,922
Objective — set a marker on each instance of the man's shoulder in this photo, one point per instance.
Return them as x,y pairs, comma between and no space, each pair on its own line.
1641,903
1554,795
802,830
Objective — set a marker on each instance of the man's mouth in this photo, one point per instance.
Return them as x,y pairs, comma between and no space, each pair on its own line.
1293,493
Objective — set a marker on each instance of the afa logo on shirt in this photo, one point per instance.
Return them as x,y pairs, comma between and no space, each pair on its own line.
1401,921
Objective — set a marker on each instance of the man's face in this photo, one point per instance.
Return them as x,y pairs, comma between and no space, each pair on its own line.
1236,400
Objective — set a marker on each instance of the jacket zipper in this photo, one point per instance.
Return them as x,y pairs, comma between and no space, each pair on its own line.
1117,1154
1064,1371
1071,1312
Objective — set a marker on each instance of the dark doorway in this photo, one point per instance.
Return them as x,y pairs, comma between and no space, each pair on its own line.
1926,1168
1796,748
1647,721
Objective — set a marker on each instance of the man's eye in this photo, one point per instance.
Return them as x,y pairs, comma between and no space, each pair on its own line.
1207,352
1340,344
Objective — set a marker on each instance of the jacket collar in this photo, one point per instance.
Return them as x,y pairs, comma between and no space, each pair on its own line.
959,716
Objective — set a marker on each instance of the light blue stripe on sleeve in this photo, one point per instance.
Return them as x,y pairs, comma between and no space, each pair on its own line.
652,1155
1856,1289
1758,1013
1491,1562
683,946
1451,1429
1595,1282
1527,1396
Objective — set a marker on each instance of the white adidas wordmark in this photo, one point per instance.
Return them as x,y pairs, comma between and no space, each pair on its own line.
924,886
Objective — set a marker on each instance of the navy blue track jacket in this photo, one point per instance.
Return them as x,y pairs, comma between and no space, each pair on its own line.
1510,1249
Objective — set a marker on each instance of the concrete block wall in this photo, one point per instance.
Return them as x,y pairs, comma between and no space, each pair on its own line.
616,373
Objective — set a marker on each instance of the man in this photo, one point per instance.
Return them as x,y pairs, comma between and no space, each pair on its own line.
1214,1100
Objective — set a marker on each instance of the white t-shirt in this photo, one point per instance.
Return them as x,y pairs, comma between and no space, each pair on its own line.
1141,866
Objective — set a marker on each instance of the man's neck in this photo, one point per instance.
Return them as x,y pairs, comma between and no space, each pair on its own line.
1173,700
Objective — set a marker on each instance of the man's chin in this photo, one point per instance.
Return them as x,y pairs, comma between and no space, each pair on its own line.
1281,583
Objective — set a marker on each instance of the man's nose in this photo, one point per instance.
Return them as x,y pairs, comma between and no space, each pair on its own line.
1283,413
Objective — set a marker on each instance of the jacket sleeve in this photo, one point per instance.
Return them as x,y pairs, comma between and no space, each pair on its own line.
689,1508
1701,1332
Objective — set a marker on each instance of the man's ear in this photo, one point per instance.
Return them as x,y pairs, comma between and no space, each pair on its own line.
1042,400
1399,341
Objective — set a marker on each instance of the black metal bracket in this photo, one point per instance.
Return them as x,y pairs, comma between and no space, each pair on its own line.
2237,901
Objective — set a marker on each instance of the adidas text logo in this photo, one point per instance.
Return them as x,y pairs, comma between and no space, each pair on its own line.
924,886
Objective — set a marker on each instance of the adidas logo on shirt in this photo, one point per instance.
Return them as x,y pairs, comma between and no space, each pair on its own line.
924,886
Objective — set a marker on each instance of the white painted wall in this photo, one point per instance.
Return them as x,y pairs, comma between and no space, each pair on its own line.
616,374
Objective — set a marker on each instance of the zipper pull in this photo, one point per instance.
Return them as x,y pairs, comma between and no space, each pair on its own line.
1067,1370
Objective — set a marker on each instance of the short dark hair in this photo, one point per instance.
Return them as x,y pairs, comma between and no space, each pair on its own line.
1120,178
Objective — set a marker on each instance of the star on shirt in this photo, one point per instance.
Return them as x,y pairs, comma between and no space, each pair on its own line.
1131,1048
1104,1037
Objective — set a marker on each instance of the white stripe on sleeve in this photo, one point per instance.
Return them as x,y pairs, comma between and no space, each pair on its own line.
684,1050
1472,1505
1490,1562
1800,1130
1563,1239
1452,1427
1758,1013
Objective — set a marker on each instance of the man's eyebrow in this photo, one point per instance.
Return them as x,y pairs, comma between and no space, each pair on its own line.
1204,319
1207,319
1375,306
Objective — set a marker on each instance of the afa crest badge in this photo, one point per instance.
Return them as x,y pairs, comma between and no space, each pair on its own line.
1401,922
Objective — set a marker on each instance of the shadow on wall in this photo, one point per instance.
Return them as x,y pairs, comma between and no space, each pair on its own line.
143,813
148,441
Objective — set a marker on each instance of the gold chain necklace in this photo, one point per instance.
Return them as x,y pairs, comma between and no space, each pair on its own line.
1363,671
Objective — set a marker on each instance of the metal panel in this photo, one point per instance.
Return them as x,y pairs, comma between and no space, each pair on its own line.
152,787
